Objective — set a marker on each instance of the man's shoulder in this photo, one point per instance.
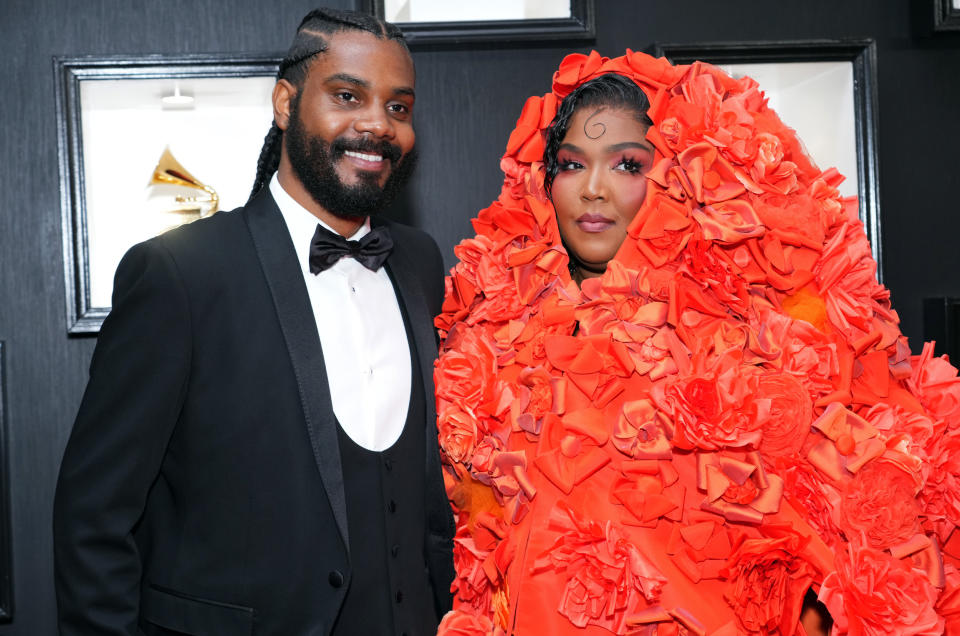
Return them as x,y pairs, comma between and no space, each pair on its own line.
206,244
415,242
217,237
407,233
216,228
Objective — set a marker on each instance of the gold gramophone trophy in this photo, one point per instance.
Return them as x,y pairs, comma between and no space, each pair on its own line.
181,204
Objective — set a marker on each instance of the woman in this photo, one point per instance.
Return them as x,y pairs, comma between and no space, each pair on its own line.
673,397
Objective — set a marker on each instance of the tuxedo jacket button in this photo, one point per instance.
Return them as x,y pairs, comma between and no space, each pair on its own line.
335,578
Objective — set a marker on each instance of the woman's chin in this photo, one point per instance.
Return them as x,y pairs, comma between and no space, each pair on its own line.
594,260
592,267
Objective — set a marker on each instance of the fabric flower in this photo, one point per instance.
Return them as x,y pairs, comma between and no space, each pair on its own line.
458,434
941,494
816,498
938,386
466,372
526,140
716,274
640,433
607,577
767,582
462,623
662,229
472,583
790,411
871,593
714,409
880,504
574,69
737,486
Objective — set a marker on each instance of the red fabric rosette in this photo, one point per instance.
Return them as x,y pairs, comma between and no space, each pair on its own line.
872,593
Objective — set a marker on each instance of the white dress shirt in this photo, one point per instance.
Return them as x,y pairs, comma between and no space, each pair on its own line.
361,330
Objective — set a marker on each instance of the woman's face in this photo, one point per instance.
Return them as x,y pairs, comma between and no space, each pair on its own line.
601,183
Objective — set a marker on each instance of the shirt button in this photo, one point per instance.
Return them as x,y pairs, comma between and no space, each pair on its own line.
399,596
388,463
392,506
394,551
335,578
353,289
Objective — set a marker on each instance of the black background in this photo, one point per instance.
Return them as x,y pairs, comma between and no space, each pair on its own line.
468,99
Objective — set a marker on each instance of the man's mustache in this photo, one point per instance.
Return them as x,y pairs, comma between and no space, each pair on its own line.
383,148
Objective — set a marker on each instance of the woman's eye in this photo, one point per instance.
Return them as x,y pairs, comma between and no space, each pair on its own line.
569,165
629,165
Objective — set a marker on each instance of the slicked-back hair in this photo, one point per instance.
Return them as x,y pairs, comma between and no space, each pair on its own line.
607,91
310,41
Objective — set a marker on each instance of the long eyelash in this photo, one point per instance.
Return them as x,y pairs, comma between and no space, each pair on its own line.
631,165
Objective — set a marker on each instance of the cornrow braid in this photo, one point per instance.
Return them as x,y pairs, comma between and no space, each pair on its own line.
269,159
310,41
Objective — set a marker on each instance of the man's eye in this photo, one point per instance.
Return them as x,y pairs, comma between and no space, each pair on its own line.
346,96
398,109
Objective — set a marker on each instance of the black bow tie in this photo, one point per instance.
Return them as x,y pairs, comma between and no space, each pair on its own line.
328,247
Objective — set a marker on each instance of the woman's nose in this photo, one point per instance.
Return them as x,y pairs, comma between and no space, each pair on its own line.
594,185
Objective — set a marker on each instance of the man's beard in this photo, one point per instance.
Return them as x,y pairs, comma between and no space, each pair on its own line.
314,163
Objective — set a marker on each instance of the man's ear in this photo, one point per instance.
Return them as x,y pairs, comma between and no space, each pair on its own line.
283,93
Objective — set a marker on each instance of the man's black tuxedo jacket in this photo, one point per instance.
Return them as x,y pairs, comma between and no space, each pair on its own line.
201,490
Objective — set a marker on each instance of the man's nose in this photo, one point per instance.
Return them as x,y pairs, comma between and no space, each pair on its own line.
376,121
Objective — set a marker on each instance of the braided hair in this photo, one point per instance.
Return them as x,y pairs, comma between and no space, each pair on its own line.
307,44
609,90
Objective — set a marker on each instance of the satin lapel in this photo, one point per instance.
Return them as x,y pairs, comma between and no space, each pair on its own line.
285,280
402,267
404,273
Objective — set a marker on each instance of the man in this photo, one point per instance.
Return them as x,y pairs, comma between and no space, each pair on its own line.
256,450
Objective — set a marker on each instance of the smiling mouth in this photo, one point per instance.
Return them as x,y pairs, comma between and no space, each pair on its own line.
365,162
594,223
362,156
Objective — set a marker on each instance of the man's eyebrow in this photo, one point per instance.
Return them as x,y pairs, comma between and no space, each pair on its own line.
349,79
362,83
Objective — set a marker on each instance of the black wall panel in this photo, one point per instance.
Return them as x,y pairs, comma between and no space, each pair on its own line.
468,100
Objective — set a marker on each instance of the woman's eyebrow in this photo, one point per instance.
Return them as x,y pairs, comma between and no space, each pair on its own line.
628,145
570,148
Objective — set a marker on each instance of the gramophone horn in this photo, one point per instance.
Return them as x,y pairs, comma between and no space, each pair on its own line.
170,172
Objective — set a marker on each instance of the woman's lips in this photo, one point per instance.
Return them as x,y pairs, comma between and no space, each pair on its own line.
594,223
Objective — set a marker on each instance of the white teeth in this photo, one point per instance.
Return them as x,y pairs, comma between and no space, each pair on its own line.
365,157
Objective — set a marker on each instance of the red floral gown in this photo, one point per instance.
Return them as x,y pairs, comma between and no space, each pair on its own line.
728,417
